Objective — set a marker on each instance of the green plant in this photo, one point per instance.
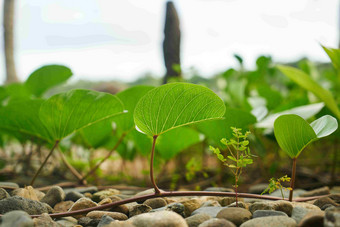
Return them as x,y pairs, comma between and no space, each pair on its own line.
293,134
239,157
276,184
174,105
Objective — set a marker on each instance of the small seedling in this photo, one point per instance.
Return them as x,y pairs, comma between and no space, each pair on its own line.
239,157
276,184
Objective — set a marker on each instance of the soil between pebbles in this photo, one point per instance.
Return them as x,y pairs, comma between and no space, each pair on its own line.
203,211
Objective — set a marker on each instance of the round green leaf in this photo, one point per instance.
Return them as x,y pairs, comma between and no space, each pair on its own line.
47,77
176,104
293,134
68,112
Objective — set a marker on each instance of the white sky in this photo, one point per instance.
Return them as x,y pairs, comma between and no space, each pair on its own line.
121,39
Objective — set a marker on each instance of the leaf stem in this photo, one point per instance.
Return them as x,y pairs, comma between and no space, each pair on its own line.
292,180
71,168
157,191
43,164
105,158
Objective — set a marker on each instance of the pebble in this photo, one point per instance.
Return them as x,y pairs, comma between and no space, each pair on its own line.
281,205
195,220
239,204
17,218
324,201
8,184
39,194
332,217
319,191
296,193
83,190
121,208
27,192
225,201
159,219
105,201
98,196
45,221
98,214
235,214
19,203
266,213
63,206
211,211
298,213
312,219
273,221
68,222
139,209
105,220
155,203
82,204
190,205
217,222
73,196
53,196
4,194
211,203
86,221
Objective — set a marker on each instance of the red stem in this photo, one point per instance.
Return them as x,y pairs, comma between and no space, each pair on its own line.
157,191
292,180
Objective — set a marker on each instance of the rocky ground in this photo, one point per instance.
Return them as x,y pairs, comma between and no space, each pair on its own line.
206,211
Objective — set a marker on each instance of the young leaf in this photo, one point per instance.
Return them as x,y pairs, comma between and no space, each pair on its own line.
324,126
176,104
68,112
47,77
334,55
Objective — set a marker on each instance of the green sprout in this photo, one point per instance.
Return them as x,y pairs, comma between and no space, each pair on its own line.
276,184
239,157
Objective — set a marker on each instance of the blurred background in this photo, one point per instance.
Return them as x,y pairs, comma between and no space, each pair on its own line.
121,39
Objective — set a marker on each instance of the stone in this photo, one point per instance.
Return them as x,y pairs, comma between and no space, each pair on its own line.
298,213
281,205
217,222
45,221
105,220
8,184
319,191
321,202
177,208
155,203
139,209
4,194
39,194
88,195
20,203
16,218
63,206
27,192
305,205
159,219
120,224
98,214
98,196
121,208
277,221
53,196
83,190
82,204
105,201
211,203
225,201
73,196
190,205
239,204
211,211
68,222
257,188
312,219
86,221
296,193
332,217
235,214
219,189
195,220
266,213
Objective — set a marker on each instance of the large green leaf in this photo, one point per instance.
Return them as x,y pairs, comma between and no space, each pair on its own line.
68,112
96,135
218,129
176,104
47,77
309,84
22,116
293,133
130,98
175,141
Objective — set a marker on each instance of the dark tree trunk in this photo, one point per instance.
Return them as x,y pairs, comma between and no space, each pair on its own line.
8,21
171,43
